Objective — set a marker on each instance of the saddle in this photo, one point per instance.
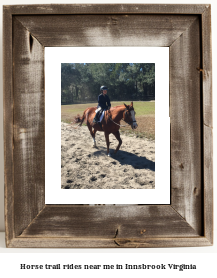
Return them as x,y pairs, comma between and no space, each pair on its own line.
98,115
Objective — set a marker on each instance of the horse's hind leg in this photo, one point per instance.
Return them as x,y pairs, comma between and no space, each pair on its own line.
92,133
117,136
94,141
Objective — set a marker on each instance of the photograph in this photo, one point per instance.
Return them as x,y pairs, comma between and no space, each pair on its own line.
108,125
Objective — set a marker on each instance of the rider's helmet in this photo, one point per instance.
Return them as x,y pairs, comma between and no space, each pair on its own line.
103,88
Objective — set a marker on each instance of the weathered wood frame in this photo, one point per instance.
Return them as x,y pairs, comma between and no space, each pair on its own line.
188,220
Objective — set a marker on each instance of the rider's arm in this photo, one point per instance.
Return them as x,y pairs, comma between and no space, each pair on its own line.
101,101
108,102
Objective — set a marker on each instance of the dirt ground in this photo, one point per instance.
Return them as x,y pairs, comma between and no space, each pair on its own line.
83,166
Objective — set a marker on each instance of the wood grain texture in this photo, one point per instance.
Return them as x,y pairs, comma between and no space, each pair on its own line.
185,113
106,9
188,221
107,30
207,67
208,183
8,125
207,122
29,140
109,222
107,243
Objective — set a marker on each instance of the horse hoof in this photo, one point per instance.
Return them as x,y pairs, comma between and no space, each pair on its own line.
109,154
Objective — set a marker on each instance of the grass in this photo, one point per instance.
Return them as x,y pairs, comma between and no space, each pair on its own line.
141,108
145,116
145,129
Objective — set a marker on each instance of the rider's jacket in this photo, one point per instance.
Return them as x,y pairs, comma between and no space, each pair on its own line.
104,102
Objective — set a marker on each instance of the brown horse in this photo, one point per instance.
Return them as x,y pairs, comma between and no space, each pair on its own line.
110,122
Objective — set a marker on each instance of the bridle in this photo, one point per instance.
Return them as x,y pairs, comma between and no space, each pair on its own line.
126,110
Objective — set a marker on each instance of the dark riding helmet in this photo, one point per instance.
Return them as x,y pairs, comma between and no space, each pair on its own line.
103,88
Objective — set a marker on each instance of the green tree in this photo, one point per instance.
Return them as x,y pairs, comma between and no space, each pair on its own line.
125,81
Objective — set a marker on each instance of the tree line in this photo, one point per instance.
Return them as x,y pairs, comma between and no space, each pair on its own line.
127,81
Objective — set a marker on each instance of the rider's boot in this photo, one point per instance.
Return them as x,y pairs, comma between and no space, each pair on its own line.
96,119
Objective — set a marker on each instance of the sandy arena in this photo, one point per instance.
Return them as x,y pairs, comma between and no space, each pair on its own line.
83,166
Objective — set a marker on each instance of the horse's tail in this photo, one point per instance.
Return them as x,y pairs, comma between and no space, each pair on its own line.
79,119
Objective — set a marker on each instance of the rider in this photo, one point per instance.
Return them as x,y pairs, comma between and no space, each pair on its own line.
103,103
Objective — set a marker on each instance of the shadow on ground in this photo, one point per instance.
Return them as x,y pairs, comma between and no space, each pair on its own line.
126,158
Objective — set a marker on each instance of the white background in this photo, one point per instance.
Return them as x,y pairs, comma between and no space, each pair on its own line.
204,257
53,192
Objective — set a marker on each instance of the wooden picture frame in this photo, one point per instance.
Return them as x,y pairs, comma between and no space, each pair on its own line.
186,30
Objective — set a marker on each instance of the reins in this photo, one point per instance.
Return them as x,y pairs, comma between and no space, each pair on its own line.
123,120
115,122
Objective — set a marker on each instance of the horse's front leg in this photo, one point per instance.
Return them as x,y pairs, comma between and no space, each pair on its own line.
117,136
107,142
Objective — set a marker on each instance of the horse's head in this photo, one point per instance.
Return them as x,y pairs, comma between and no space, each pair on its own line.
129,116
